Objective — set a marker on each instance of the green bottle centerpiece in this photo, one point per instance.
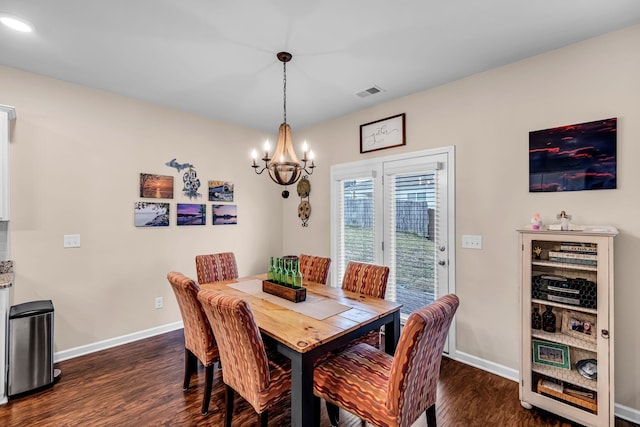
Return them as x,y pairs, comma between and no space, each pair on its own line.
288,273
271,273
297,278
279,271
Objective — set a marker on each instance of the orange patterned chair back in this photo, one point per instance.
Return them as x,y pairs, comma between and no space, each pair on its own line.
413,379
198,335
315,268
216,267
242,351
367,279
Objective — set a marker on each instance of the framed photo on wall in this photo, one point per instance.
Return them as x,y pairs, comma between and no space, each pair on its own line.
224,214
191,214
381,134
156,186
151,214
573,157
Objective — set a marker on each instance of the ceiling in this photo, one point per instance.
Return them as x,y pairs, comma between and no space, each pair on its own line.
218,58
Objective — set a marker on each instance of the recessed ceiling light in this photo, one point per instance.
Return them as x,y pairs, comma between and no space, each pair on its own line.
16,23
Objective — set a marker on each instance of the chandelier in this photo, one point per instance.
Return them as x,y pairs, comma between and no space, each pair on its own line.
284,167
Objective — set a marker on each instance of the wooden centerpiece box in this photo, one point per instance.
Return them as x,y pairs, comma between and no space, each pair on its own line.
282,291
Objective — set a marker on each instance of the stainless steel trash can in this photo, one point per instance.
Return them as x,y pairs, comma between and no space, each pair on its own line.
30,347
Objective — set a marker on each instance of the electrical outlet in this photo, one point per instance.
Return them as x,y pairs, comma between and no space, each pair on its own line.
159,302
472,242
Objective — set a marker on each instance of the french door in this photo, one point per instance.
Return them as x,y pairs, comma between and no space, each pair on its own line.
397,211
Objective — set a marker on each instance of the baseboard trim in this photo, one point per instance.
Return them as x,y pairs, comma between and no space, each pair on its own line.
621,411
485,365
114,342
626,413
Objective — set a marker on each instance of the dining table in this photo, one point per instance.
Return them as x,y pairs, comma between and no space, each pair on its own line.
326,321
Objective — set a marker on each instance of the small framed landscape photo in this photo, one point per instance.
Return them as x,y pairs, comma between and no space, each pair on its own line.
220,191
151,214
224,214
156,186
381,134
552,354
579,325
191,214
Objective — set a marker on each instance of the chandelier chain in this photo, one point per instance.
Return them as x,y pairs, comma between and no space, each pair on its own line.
284,91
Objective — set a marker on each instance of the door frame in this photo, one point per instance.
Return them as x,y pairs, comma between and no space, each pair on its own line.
373,168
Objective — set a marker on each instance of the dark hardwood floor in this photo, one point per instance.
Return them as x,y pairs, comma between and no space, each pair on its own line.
140,384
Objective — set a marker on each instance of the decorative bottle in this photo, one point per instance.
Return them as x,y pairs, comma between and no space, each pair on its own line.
297,278
279,271
291,274
271,272
549,320
536,319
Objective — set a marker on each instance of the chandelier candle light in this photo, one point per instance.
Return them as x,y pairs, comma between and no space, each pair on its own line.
284,167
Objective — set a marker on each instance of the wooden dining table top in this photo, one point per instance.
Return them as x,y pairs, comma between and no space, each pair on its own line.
303,333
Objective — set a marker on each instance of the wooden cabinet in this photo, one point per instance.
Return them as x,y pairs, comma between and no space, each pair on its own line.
7,114
567,367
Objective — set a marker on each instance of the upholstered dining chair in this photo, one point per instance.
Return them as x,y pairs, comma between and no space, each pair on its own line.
314,268
262,381
386,390
216,267
199,341
370,280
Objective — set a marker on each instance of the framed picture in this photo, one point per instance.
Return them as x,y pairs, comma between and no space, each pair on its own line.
225,214
381,134
573,157
191,214
156,186
579,325
552,354
151,214
220,191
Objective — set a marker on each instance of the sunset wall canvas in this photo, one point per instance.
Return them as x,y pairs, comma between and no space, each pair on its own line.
156,186
191,214
225,214
574,157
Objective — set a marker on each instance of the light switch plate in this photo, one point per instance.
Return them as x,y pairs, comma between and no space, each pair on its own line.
471,242
71,241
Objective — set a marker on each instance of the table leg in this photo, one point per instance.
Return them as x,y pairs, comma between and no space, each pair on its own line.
303,413
392,334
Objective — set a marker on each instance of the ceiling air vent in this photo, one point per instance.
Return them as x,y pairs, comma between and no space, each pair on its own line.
371,91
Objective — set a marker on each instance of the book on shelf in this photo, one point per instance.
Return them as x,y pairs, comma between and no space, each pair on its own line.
587,262
573,255
587,248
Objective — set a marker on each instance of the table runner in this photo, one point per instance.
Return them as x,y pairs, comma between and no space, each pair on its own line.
316,307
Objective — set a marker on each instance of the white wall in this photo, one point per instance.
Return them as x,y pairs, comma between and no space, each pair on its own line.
487,117
76,156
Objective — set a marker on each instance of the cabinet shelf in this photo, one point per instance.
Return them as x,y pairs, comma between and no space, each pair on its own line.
567,375
561,338
565,306
564,265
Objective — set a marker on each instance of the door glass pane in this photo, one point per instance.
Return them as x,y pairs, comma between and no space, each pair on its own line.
358,222
412,213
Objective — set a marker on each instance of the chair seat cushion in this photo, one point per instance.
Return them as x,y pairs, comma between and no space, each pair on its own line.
357,375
